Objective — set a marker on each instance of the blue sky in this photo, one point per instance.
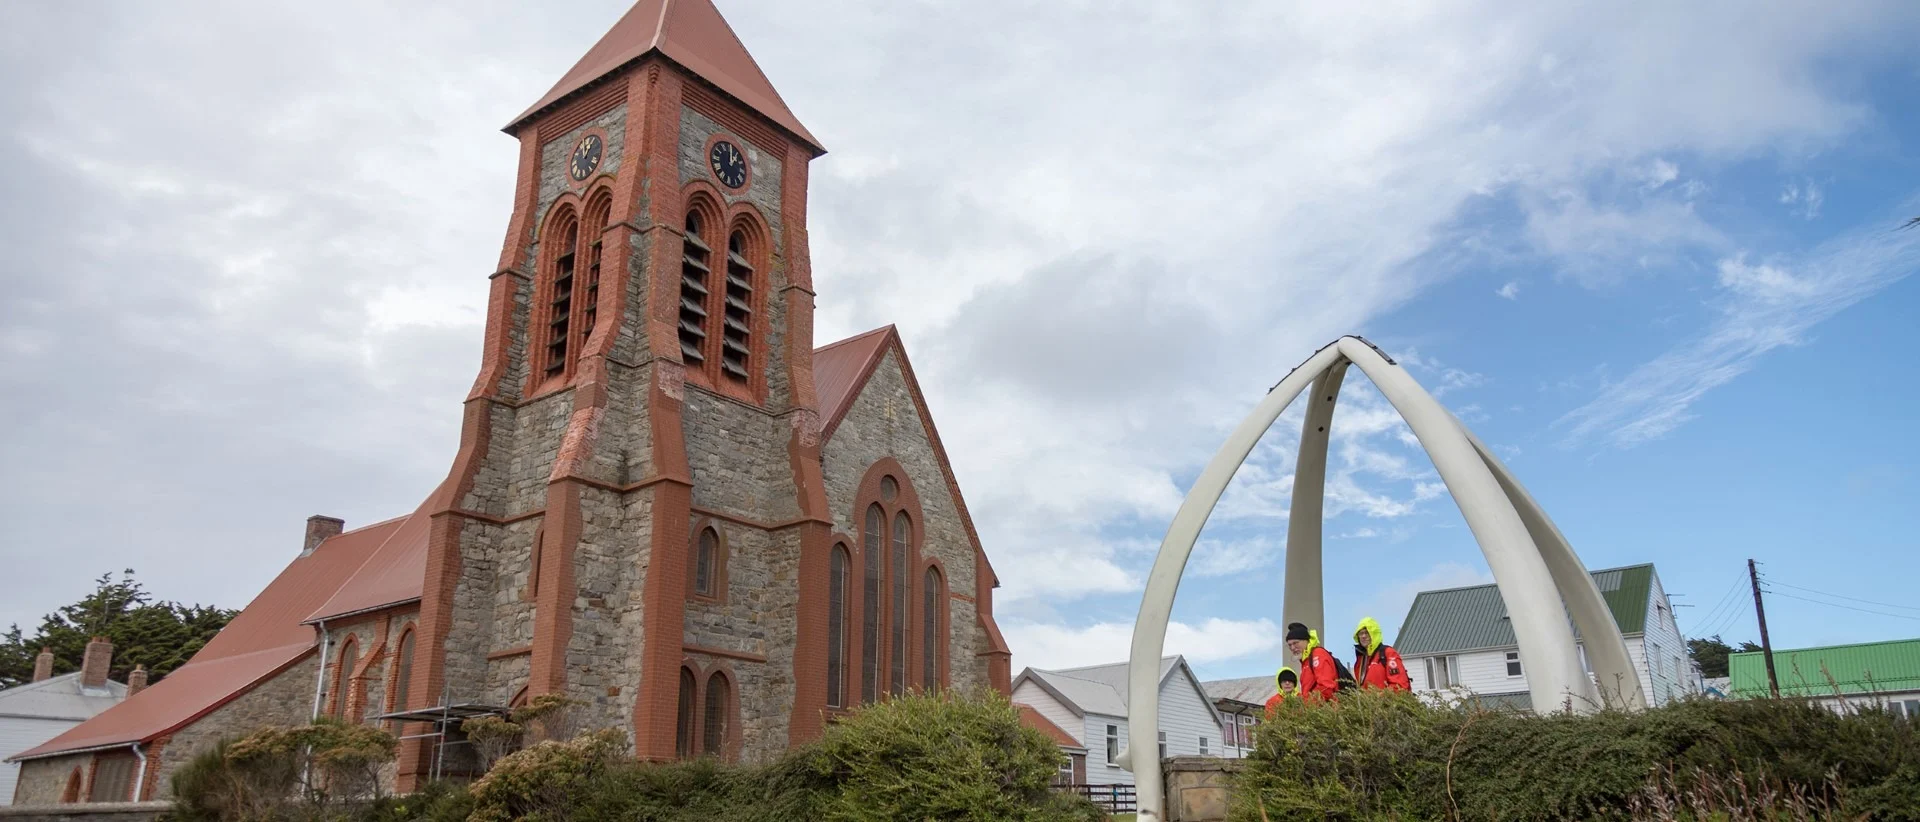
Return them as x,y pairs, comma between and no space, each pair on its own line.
1647,250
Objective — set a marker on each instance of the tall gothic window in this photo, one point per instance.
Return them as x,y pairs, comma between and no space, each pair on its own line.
343,676
596,226
902,575
871,546
706,571
403,670
695,266
837,572
683,725
932,639
560,293
713,734
735,340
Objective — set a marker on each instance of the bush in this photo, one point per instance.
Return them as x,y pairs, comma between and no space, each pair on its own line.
300,772
1387,756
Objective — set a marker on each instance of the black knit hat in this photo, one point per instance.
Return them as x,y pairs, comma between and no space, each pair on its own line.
1297,631
1287,675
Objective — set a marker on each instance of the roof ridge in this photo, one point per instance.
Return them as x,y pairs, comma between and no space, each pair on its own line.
37,685
1166,658
1496,583
1779,651
860,336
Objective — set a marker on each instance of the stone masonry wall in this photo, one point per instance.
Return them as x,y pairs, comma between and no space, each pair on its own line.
739,460
884,421
554,156
755,616
285,699
607,584
43,781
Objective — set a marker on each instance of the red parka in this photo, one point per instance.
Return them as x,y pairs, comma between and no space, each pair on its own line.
1319,671
1376,664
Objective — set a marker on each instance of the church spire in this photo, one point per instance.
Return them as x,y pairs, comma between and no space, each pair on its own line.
692,34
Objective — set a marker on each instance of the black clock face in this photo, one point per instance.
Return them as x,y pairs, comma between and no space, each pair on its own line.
729,165
586,158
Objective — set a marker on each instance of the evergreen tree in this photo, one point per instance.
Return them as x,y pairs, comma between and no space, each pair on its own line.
1711,653
160,635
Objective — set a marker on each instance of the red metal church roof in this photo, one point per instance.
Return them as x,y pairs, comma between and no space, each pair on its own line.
693,34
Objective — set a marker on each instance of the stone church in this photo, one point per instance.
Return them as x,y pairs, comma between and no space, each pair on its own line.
667,503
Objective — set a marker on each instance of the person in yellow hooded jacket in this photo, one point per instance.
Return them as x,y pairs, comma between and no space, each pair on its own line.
1375,663
1286,685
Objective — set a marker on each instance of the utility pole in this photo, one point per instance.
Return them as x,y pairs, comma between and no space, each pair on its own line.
1766,647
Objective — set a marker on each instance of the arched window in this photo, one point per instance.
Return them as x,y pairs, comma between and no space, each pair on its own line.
683,731
871,545
901,576
343,676
736,339
402,669
560,280
596,225
713,733
932,639
706,569
837,572
72,793
695,264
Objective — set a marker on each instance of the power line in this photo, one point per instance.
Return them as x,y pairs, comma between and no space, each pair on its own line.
1726,621
1848,607
1713,616
1844,596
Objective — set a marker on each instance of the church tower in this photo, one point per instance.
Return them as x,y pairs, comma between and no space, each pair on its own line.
648,369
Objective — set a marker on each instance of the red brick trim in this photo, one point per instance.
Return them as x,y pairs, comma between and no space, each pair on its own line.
584,106
720,670
722,549
717,106
943,618
339,681
564,213
507,653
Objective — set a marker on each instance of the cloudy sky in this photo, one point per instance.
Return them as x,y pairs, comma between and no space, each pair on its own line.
1649,251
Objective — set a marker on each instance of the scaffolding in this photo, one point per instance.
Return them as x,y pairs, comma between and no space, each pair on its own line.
443,719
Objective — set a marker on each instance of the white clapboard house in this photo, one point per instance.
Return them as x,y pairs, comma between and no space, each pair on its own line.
1460,640
1091,705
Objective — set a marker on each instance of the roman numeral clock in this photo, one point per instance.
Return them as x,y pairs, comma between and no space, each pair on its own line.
728,163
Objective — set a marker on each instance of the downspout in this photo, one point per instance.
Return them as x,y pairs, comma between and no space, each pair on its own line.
320,674
140,776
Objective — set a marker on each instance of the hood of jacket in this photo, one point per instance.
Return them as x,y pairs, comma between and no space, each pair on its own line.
1372,627
1313,641
1285,670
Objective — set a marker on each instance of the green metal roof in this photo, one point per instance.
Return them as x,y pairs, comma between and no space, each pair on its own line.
1464,619
1869,667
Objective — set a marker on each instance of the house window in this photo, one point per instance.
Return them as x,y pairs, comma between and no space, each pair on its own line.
695,256
1066,766
736,336
932,639
714,733
1163,744
870,606
838,569
1439,672
897,679
560,295
1203,746
706,562
1113,746
683,726
1913,708
1513,663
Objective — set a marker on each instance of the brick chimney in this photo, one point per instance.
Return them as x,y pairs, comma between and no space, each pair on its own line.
43,665
137,681
320,527
93,666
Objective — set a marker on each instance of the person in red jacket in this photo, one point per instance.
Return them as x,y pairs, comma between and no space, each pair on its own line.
1375,663
1320,673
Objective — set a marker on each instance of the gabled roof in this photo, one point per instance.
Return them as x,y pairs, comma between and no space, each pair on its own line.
59,697
394,573
1101,689
1868,667
1031,717
264,639
1465,619
1253,690
840,368
693,34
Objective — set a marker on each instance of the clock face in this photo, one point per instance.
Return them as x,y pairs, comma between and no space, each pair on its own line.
729,165
586,158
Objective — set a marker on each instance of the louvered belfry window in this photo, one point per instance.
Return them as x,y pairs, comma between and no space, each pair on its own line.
695,268
560,297
736,340
590,297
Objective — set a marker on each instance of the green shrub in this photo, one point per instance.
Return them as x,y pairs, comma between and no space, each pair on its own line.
300,772
1386,756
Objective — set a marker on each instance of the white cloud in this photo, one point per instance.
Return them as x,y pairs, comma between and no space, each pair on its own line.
1803,199
1761,308
1213,640
1658,173
1509,291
